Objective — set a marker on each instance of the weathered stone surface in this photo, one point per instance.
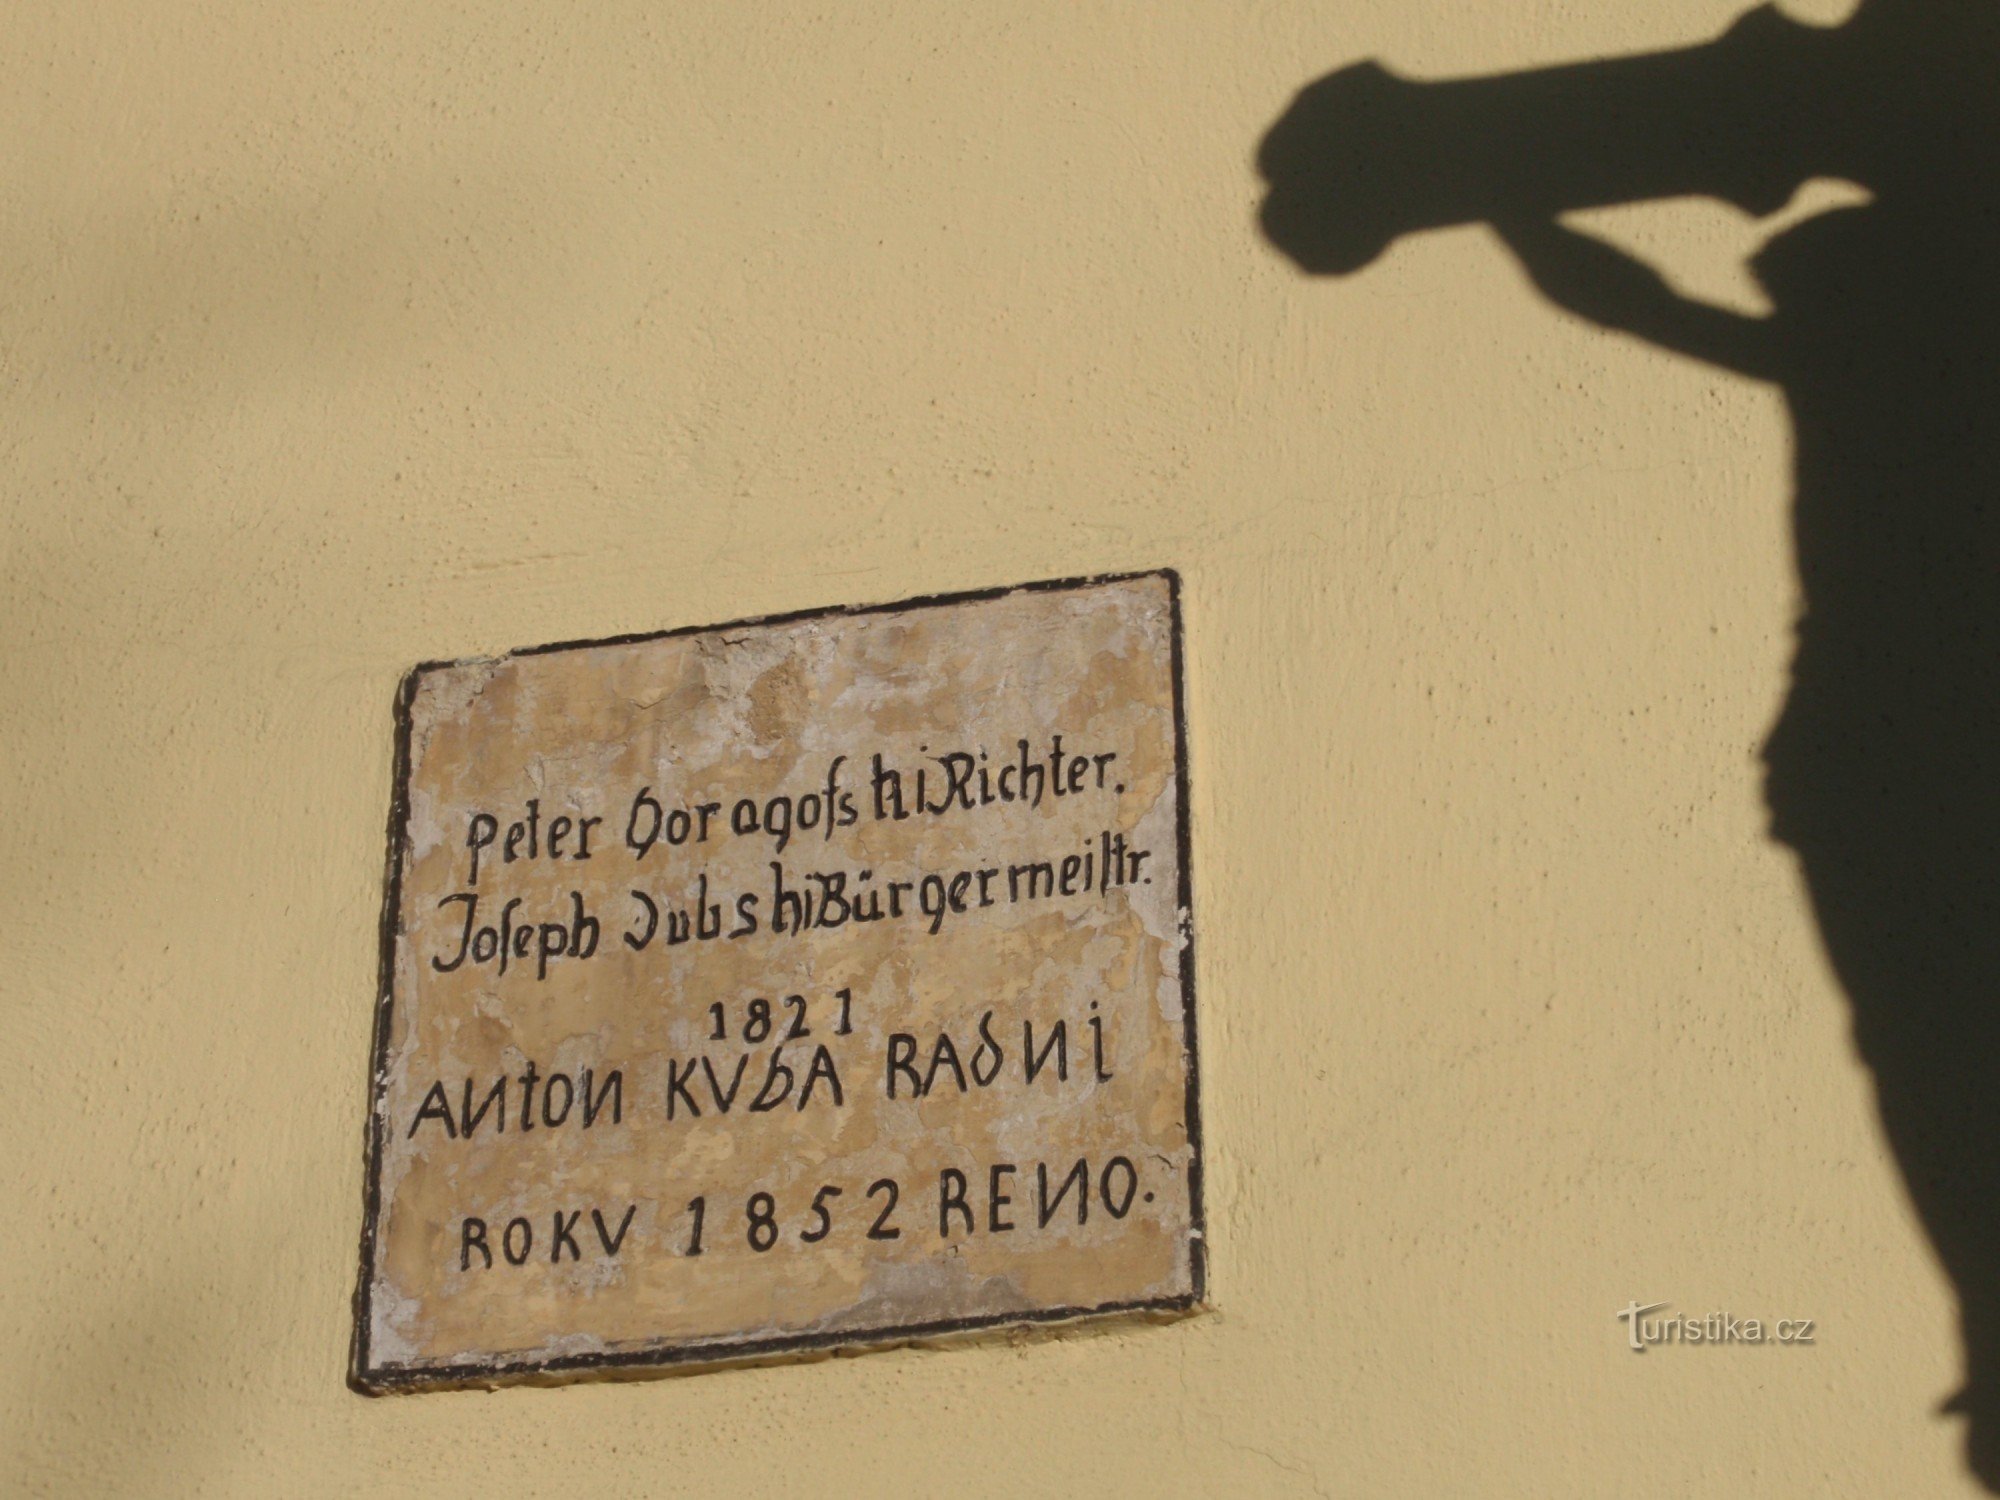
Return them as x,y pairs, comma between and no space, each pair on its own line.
764,1065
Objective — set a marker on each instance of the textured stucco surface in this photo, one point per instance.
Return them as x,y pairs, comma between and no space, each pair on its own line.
336,337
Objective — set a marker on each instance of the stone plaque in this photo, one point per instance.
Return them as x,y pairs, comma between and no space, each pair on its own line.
806,983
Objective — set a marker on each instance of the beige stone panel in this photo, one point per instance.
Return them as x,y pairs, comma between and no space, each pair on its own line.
991,1075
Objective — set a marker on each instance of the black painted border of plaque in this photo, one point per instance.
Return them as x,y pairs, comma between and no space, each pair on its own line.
684,1355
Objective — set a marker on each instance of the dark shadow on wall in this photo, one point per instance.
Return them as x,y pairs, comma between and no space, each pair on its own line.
1883,771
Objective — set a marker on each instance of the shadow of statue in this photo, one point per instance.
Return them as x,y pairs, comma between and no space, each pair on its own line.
1883,772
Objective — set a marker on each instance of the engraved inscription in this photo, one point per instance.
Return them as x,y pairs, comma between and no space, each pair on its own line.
785,985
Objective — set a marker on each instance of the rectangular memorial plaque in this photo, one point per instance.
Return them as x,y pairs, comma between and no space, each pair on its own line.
806,983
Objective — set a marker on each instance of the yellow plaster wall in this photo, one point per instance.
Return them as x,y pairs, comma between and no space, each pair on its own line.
337,336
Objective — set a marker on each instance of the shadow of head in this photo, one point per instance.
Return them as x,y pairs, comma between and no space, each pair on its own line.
1332,172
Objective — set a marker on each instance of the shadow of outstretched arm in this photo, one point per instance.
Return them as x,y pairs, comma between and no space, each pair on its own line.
1362,156
1583,275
